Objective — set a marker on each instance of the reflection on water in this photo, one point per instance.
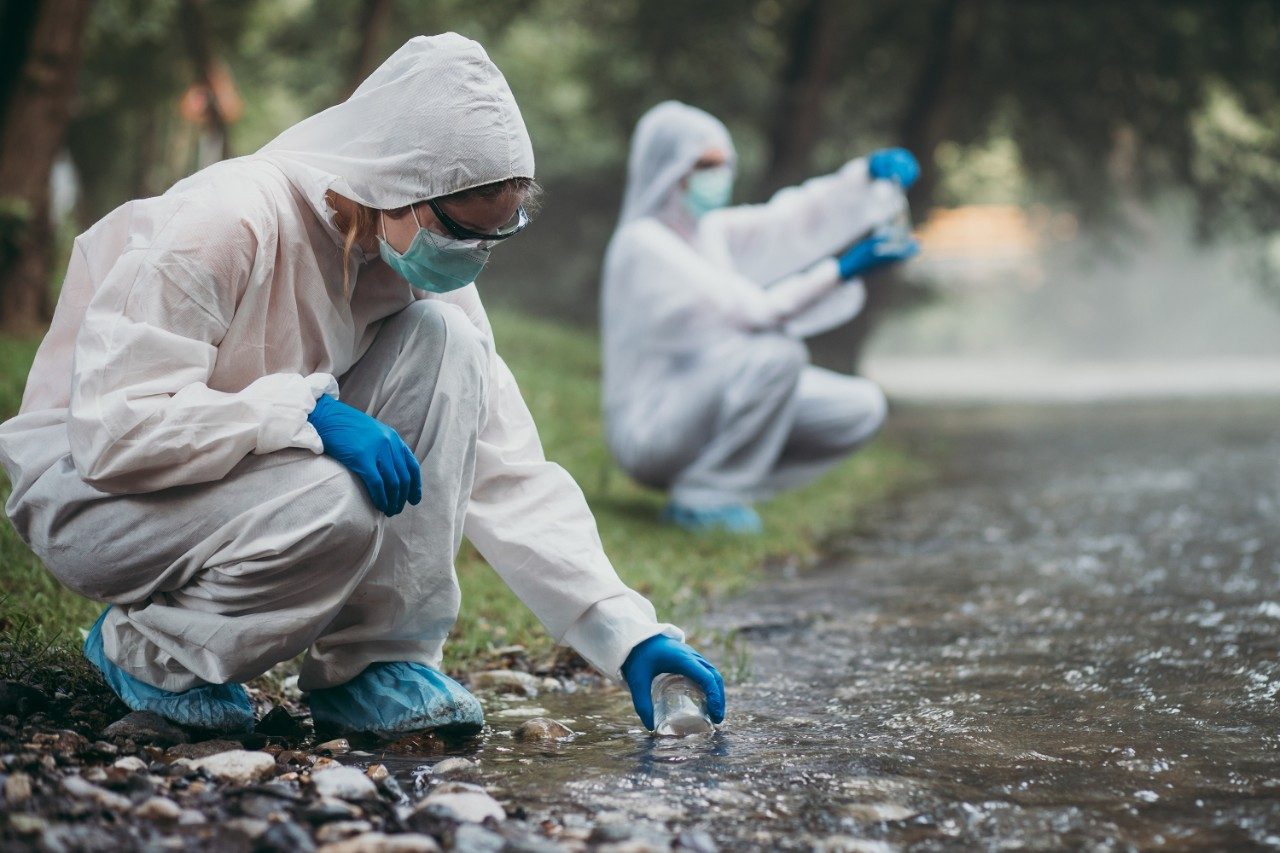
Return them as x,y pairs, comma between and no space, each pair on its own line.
1071,641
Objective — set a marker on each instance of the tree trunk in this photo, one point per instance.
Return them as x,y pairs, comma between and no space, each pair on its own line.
38,107
926,123
811,59
374,17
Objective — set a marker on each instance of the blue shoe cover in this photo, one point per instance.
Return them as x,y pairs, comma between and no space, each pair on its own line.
730,518
394,698
222,707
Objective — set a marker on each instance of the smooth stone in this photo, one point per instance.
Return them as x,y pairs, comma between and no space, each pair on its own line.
508,680
344,783
145,727
607,833
633,845
337,746
455,787
329,809
251,828
543,729
285,837
464,806
27,824
132,763
203,749
377,842
455,767
106,800
17,789
341,830
324,762
377,772
191,817
238,766
477,839
159,809
696,840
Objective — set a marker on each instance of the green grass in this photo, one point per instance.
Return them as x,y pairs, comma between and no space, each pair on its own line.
558,370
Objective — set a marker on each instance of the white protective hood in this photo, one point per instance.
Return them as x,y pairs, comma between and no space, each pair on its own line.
668,141
435,118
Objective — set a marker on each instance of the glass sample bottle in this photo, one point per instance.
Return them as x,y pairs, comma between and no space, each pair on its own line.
679,707
897,231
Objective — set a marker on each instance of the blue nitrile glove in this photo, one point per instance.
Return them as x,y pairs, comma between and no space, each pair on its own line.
658,655
897,164
372,450
871,253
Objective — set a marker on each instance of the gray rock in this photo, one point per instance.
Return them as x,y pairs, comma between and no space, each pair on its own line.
464,806
251,828
285,837
337,746
191,817
132,763
27,824
101,797
608,833
471,838
146,727
328,809
543,730
377,842
455,787
17,789
203,749
238,766
160,809
697,841
633,845
507,681
344,783
341,830
455,768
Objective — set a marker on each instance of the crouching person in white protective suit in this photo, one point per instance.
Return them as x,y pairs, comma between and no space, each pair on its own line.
708,390
269,408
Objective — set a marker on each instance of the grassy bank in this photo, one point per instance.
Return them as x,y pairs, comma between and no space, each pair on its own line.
558,371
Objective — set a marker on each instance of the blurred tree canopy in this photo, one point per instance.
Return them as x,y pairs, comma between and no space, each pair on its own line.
1094,107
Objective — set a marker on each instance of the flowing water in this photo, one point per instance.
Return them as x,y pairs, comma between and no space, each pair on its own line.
1069,640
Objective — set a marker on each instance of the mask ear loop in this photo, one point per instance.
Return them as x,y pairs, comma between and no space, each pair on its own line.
382,223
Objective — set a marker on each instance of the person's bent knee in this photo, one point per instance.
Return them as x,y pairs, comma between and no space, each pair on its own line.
446,327
869,412
776,357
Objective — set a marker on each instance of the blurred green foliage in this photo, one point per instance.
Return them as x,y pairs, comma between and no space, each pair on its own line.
1080,105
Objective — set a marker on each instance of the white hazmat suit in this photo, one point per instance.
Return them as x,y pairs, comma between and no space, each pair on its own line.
163,462
707,387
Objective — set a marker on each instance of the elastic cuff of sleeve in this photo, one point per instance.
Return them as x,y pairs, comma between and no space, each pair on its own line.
607,632
290,398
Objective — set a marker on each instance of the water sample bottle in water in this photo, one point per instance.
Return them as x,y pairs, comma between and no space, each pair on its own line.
679,707
897,231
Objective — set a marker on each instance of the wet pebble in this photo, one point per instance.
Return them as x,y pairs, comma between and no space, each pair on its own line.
17,789
377,772
344,783
467,806
145,727
328,809
104,799
696,840
160,809
543,729
455,768
377,842
251,828
507,680
337,746
340,830
286,837
238,766
131,763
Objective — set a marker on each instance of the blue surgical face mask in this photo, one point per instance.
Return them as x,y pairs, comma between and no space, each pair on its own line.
433,262
708,189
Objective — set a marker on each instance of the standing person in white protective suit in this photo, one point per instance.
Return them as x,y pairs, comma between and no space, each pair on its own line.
269,408
707,387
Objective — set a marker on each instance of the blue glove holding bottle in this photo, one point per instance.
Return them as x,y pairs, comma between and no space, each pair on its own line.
658,655
873,252
372,450
894,164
